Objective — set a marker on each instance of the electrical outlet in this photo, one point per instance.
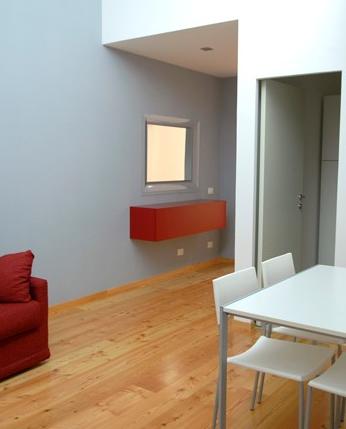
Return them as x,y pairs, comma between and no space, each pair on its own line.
210,244
180,252
210,190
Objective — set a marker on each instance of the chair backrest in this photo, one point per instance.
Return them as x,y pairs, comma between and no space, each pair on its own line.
233,286
277,269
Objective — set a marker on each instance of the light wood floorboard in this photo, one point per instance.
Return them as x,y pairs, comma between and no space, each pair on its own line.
145,357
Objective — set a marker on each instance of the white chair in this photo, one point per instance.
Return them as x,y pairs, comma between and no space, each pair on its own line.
294,361
281,268
332,381
275,270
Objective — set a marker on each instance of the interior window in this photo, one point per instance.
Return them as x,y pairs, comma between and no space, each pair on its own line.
169,153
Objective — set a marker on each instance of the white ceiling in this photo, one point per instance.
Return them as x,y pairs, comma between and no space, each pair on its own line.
183,48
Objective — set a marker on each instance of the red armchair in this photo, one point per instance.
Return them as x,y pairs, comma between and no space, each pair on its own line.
24,331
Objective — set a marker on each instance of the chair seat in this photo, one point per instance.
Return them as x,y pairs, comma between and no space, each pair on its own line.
320,338
17,318
295,361
334,379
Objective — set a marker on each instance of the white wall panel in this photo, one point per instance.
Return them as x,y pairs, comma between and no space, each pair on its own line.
137,18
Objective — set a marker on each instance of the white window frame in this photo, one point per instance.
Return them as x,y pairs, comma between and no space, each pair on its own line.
181,186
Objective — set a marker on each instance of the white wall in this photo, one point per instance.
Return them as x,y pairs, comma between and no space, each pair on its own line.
275,39
227,162
286,41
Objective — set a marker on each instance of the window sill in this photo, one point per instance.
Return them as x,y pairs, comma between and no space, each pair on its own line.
158,188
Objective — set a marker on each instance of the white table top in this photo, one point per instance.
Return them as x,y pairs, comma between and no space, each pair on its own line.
313,300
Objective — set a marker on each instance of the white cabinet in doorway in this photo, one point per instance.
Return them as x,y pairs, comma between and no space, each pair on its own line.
329,179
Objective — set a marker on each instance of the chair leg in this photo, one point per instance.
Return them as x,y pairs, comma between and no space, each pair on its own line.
336,411
260,390
216,404
332,412
254,393
339,411
339,350
264,329
301,405
308,408
343,410
270,330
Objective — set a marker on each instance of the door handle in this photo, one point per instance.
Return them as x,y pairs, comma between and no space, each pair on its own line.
300,198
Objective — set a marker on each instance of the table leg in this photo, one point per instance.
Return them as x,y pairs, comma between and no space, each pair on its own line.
301,406
216,405
223,368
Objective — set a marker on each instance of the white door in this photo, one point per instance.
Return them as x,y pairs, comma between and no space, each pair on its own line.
280,171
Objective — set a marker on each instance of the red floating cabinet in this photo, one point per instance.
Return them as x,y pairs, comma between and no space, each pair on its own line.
164,221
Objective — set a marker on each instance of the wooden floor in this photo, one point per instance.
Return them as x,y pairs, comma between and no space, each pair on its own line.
145,358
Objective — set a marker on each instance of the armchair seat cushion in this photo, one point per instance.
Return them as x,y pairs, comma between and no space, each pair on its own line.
17,318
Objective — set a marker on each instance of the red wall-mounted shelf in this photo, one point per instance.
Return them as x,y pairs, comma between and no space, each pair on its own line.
164,221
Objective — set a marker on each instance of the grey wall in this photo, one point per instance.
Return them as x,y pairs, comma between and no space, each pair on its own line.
72,144
228,161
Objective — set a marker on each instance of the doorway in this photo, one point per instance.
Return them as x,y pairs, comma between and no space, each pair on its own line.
297,168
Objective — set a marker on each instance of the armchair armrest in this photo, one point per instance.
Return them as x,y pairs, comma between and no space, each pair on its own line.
39,291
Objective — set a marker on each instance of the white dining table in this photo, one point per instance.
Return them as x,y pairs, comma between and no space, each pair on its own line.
313,300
